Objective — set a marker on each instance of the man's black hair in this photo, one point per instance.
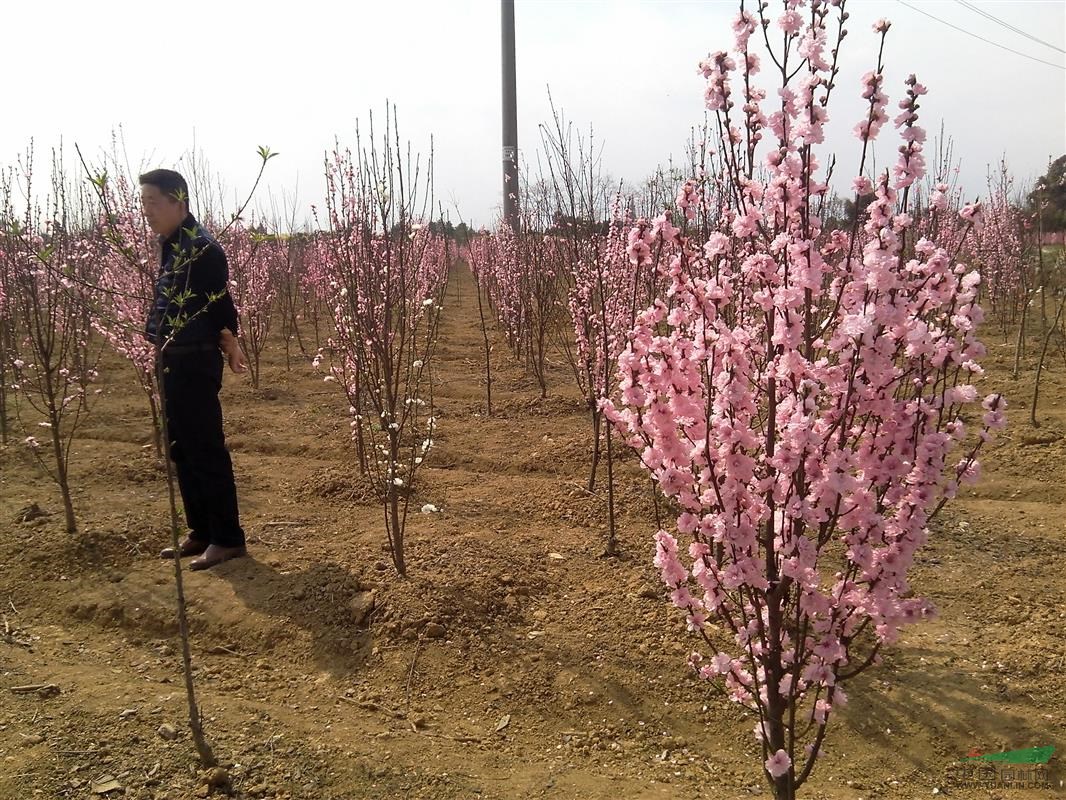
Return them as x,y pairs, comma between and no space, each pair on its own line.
168,182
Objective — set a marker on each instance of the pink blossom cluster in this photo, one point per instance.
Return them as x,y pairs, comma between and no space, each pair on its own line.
911,164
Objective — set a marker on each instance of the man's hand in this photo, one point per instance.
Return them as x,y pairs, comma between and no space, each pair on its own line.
232,348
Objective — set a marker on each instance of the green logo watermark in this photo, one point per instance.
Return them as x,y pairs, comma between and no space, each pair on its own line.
1030,755
1010,769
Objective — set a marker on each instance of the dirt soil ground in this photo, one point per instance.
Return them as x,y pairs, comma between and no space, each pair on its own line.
515,661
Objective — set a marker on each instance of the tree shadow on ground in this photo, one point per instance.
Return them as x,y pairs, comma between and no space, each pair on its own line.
938,712
325,600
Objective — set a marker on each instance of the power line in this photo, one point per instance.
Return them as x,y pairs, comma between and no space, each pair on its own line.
1008,26
982,38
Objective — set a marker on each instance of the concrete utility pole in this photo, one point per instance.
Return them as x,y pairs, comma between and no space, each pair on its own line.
510,117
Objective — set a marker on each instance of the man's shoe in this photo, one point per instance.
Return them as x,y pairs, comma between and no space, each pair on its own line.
190,547
215,555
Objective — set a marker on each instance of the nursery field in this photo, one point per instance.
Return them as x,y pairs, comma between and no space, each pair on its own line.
515,660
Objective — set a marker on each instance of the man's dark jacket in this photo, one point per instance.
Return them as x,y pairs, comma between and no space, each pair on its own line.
192,264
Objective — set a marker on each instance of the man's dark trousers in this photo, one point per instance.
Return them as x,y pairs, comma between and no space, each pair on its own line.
192,379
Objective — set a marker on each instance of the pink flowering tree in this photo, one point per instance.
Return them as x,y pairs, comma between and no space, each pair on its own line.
7,345
290,297
288,273
123,285
1004,248
799,397
607,290
595,276
608,277
496,270
383,276
314,285
49,348
521,274
476,253
541,254
257,264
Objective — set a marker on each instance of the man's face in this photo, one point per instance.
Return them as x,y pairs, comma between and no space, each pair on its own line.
163,212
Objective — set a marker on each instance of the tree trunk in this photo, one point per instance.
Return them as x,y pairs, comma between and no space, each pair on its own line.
157,427
1040,365
57,452
64,482
485,338
3,402
203,749
596,423
1019,345
396,532
612,540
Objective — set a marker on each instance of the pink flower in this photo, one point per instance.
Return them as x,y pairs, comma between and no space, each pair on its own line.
821,710
745,225
994,402
778,764
791,22
673,572
972,212
717,243
688,198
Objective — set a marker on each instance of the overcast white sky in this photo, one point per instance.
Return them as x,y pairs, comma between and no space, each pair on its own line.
293,75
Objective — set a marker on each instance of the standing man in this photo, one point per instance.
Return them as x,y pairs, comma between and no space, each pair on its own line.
193,323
